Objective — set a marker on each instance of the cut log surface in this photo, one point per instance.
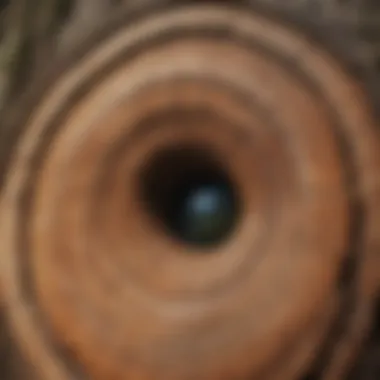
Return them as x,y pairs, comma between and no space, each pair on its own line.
107,108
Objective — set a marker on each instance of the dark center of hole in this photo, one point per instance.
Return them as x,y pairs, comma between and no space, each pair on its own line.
191,195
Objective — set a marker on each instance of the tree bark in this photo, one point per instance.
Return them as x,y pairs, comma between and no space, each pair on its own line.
286,95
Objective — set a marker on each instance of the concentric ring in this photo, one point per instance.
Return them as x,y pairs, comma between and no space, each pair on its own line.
121,295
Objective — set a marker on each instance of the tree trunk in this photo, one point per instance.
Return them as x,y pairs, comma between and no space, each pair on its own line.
110,109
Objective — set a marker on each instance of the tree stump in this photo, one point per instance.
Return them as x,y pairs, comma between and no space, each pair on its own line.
110,108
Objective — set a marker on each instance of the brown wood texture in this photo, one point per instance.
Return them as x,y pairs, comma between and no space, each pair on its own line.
282,96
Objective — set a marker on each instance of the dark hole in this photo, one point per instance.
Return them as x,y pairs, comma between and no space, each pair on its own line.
190,194
367,366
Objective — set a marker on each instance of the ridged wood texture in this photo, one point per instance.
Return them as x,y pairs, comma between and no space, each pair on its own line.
285,93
